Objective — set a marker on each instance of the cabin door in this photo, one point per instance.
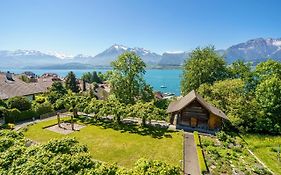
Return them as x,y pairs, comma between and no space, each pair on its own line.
193,122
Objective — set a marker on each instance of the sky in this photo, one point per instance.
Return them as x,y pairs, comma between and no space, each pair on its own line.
91,26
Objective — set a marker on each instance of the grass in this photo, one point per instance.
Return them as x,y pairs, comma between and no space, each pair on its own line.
202,164
265,148
123,144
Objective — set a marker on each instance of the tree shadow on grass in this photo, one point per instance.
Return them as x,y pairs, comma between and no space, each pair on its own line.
131,127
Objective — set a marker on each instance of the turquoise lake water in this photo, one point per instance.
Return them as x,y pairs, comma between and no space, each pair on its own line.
170,78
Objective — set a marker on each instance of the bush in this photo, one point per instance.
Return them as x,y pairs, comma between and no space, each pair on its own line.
202,164
43,108
40,99
20,103
14,115
2,103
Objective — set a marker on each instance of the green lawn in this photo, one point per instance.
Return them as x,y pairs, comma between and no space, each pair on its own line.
265,148
123,144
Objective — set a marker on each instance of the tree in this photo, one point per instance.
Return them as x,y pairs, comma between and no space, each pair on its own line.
239,69
268,68
91,77
268,95
127,82
71,82
230,96
203,66
56,91
20,103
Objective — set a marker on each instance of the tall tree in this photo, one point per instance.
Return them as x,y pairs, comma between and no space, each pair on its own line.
127,82
56,91
268,95
203,66
71,82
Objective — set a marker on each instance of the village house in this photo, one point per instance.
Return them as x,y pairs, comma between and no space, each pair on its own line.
192,112
11,85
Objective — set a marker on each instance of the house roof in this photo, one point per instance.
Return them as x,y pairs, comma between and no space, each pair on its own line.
190,97
18,87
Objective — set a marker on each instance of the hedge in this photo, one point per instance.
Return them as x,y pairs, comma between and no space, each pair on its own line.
201,160
14,115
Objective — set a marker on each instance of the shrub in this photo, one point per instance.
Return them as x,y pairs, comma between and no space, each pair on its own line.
40,99
43,108
20,103
2,103
14,115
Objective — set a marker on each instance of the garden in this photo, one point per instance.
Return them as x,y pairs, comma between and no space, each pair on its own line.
228,154
267,149
123,144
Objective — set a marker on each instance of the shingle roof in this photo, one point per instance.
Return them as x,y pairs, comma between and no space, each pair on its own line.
18,87
190,97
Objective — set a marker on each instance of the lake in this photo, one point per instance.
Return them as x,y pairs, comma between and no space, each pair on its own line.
170,78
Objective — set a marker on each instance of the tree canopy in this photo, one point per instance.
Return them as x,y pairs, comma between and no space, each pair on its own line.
71,82
204,65
127,82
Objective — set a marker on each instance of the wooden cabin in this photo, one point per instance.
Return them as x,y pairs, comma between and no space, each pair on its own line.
193,112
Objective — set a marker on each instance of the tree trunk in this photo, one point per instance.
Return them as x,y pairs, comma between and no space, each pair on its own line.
72,123
58,117
143,121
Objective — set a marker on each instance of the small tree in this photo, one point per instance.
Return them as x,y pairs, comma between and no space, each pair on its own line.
71,82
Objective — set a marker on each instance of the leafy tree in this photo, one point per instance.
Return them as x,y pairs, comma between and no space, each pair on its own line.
203,66
56,91
240,69
268,95
91,77
20,103
71,82
127,82
268,68
230,96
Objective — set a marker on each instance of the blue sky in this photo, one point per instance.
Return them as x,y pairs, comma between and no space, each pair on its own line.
90,26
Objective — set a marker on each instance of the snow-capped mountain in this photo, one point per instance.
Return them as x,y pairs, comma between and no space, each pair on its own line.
255,50
110,54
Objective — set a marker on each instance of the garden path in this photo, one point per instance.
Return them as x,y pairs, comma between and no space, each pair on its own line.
191,166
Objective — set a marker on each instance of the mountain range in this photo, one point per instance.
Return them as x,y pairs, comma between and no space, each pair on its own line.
255,50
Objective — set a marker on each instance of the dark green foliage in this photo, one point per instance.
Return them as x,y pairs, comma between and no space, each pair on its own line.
2,103
204,65
91,77
43,108
56,91
14,115
127,82
71,82
20,103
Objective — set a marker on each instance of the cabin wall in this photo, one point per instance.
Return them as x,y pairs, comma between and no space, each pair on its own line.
214,121
194,115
